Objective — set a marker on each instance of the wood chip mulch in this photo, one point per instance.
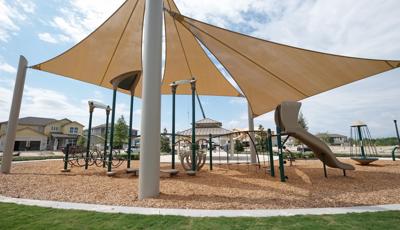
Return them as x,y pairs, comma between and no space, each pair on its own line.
239,187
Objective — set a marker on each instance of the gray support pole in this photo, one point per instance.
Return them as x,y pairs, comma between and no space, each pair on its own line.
130,132
14,115
149,172
251,132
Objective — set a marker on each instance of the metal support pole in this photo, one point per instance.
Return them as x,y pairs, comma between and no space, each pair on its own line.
110,157
91,108
393,153
361,142
173,88
130,133
325,173
281,166
149,172
253,155
14,115
66,159
271,153
106,136
211,150
397,131
193,84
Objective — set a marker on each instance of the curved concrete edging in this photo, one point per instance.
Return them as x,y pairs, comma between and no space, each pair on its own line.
199,212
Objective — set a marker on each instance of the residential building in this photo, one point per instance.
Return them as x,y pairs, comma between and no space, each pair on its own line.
99,132
332,138
37,133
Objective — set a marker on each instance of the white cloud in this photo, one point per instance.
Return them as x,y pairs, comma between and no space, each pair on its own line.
11,15
47,38
5,67
80,17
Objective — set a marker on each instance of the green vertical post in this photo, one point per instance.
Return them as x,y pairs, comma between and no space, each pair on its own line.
281,166
66,158
271,152
130,132
211,149
397,131
173,88
110,157
91,108
393,153
325,173
193,84
106,136
361,142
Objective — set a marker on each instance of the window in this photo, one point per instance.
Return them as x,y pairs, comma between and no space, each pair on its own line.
73,130
54,128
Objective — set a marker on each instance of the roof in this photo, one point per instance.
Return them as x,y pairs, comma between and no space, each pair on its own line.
27,128
37,121
205,131
104,125
266,72
207,121
330,135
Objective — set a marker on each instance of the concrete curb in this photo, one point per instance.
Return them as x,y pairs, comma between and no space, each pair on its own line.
199,212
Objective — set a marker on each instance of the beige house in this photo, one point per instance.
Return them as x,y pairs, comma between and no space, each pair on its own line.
36,133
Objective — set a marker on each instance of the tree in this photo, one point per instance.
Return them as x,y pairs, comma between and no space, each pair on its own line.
325,137
303,123
81,141
121,130
239,146
261,139
165,144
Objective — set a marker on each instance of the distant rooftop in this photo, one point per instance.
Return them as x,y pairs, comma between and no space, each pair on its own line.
40,121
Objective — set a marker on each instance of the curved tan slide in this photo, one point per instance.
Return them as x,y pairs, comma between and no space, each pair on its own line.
286,115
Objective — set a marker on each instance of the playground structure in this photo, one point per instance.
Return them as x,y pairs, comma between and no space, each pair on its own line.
262,74
286,115
362,149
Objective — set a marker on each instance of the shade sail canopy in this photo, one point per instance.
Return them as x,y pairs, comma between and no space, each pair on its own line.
267,73
115,48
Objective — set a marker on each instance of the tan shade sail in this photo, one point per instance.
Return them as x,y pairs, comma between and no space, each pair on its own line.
112,49
186,59
269,73
116,48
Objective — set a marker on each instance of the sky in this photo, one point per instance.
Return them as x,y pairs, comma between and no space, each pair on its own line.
42,29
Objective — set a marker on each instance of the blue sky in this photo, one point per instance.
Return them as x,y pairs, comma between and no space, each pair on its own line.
41,29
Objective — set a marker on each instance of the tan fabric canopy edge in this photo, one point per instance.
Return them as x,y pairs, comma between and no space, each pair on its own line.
103,55
115,48
269,73
186,59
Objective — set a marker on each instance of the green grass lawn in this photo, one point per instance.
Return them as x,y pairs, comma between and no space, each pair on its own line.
14,216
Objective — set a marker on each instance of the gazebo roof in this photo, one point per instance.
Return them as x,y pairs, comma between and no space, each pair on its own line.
267,73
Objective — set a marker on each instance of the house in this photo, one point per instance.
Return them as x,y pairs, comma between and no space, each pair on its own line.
207,126
332,138
99,132
37,133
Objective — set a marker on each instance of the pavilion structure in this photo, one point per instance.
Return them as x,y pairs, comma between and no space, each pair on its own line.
266,72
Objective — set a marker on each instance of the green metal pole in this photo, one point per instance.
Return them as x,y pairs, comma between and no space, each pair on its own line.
361,142
193,83
66,158
393,153
397,131
106,136
281,169
173,88
112,131
211,149
130,133
325,173
271,152
88,138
